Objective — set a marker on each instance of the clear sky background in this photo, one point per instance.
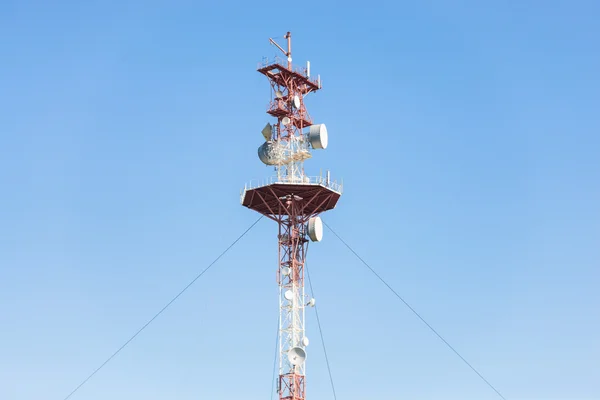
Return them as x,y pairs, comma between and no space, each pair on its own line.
467,134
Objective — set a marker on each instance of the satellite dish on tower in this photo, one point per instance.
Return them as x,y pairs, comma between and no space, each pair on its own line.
296,102
267,132
317,136
285,271
289,295
279,94
297,356
268,153
305,341
286,120
315,229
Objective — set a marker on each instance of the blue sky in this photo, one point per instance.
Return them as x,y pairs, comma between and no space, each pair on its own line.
467,136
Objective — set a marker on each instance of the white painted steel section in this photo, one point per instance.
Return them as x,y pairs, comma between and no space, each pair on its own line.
292,317
292,300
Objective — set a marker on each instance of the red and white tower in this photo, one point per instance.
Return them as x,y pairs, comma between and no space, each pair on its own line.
294,200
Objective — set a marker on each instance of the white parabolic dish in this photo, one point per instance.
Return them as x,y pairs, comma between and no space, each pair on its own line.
315,229
289,295
297,356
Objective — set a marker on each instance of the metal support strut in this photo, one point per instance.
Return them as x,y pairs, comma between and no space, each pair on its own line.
292,251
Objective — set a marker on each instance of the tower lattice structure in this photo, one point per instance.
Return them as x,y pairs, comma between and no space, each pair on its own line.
294,200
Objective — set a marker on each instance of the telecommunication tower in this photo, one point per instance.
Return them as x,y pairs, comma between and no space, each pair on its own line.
294,200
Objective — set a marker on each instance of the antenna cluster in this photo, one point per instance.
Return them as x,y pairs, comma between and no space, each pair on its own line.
288,141
294,201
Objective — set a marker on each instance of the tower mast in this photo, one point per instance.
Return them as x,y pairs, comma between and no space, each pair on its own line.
294,200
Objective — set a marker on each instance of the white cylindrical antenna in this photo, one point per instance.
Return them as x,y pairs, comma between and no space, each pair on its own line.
319,81
317,135
315,229
308,69
328,177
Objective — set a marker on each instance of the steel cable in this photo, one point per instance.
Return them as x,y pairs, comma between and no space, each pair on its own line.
312,294
162,309
416,313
